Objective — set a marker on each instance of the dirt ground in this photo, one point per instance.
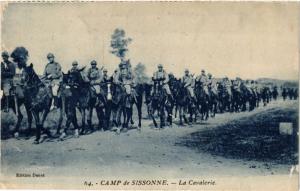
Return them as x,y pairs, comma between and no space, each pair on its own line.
149,153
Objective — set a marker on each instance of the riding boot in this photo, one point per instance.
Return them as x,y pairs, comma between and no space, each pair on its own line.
97,101
55,98
135,99
171,98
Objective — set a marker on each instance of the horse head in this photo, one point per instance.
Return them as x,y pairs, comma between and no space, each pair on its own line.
30,77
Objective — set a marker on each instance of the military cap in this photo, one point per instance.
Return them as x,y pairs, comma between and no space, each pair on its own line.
209,74
186,70
50,55
104,70
74,63
160,66
202,71
5,54
93,62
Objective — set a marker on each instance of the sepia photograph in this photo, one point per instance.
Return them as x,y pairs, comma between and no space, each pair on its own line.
150,95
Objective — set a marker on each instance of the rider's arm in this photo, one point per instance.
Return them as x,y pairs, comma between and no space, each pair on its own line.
166,78
59,72
10,73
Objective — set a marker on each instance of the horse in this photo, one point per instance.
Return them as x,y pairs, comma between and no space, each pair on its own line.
161,103
147,90
225,98
128,101
213,101
284,93
38,97
114,97
275,93
15,101
265,95
139,91
184,102
77,94
202,100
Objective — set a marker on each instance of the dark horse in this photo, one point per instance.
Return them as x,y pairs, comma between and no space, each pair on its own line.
161,103
113,94
184,102
139,91
77,93
202,99
38,96
15,101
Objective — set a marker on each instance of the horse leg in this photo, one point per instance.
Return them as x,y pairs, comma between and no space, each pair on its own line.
38,127
73,118
114,119
170,113
20,118
59,121
129,115
45,114
89,118
100,115
152,115
139,110
180,115
82,111
162,117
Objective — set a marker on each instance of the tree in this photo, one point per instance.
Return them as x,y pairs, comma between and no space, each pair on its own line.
140,75
119,43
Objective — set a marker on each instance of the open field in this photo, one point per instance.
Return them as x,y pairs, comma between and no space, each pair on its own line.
160,153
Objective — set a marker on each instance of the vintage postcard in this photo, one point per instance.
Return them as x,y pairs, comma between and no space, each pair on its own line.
150,95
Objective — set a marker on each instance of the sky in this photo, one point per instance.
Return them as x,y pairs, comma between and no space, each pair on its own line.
249,40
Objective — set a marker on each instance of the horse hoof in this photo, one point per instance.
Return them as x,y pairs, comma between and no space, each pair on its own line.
36,142
118,131
76,133
62,136
16,135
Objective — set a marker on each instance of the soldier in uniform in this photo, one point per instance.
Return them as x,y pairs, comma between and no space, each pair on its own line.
253,87
8,71
227,85
237,84
161,74
105,75
212,84
126,78
189,84
95,76
248,85
202,78
74,67
53,74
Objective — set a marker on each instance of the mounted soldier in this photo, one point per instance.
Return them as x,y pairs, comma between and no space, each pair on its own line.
202,78
237,84
8,71
126,78
227,85
189,84
212,84
253,88
95,77
161,75
53,75
74,67
105,75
